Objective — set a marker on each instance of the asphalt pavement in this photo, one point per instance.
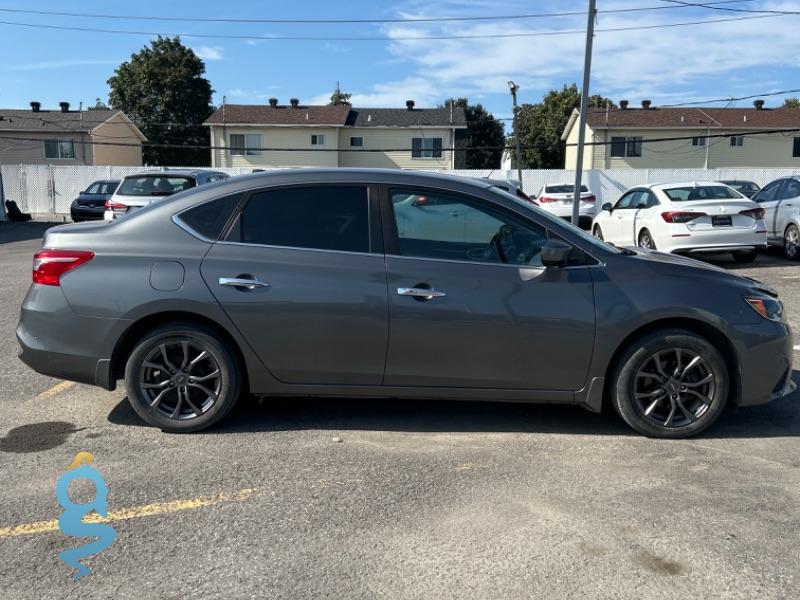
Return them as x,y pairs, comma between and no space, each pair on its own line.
309,498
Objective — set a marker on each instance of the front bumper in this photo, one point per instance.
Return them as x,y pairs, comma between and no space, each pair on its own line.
86,213
765,354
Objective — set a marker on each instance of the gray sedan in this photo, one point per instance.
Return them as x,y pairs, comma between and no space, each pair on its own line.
382,283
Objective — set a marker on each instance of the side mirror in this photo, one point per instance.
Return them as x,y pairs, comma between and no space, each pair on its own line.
555,253
608,206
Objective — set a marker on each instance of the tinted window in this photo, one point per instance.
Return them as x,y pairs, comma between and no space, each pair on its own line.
433,225
563,189
705,192
209,218
155,185
769,192
790,190
323,217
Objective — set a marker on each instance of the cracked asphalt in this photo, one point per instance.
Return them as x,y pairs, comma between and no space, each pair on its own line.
309,498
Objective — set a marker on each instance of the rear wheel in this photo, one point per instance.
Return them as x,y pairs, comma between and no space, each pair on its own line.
791,242
597,232
745,257
182,377
646,240
670,384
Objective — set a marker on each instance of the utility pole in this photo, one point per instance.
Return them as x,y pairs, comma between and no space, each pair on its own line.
514,88
587,73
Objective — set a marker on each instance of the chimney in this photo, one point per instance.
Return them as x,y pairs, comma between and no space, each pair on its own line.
623,104
759,104
64,106
294,102
36,106
646,104
410,104
273,102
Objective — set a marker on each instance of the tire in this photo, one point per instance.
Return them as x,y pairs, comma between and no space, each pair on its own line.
634,389
182,407
745,257
646,240
791,242
598,233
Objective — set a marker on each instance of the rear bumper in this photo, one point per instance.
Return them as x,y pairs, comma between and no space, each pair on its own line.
766,362
718,240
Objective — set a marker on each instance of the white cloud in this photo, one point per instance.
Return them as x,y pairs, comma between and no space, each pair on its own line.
209,52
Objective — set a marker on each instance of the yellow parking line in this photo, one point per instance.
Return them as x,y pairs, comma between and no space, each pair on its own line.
135,512
56,389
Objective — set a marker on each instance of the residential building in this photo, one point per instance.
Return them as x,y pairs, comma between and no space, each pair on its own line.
69,137
619,137
273,135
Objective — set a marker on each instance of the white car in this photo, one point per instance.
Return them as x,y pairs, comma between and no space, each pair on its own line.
781,203
685,218
557,199
141,189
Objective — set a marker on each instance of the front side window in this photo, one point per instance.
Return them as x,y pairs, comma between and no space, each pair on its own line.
737,141
154,185
626,147
768,193
59,149
318,140
627,200
245,144
320,217
443,226
426,147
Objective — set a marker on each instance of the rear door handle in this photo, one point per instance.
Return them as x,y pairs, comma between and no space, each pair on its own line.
241,282
421,293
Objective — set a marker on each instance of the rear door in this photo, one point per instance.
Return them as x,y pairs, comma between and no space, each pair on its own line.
301,274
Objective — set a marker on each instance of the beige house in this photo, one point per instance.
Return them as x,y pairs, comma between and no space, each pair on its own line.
270,136
69,137
620,137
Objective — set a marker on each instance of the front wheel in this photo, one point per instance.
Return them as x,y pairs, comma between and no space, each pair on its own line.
182,377
791,242
670,384
598,233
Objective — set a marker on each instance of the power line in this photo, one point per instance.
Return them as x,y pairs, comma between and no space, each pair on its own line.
710,6
347,21
273,38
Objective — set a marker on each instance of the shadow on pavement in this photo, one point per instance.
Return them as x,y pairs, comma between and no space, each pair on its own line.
20,232
767,259
777,419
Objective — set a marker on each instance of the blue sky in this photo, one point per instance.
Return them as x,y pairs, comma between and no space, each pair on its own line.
667,65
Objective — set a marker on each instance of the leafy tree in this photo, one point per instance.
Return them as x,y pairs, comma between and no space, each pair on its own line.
98,105
483,131
163,91
791,103
339,97
541,125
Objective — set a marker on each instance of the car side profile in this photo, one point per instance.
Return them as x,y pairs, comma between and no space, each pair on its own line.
388,283
694,217
780,201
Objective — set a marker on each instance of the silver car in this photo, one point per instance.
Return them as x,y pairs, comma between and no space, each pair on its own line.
781,203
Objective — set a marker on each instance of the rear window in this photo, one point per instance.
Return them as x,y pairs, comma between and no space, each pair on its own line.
563,189
208,219
705,192
155,185
743,186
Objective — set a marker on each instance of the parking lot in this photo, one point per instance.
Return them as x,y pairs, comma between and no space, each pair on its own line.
302,498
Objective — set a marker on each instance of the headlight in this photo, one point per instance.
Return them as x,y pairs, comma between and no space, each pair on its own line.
769,308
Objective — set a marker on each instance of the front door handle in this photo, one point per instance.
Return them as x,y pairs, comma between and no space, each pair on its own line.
247,283
421,293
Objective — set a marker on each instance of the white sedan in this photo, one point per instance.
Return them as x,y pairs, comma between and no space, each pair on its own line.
557,199
685,218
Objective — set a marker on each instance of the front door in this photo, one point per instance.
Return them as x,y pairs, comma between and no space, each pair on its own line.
788,202
767,199
476,309
297,277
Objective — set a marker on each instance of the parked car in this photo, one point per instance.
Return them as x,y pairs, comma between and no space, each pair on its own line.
289,284
685,218
780,201
90,203
141,189
513,187
557,199
745,188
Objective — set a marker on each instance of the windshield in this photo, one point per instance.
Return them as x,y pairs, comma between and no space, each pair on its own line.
154,185
102,187
705,192
563,189
743,186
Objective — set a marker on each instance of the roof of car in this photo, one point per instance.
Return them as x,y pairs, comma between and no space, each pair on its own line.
179,172
680,184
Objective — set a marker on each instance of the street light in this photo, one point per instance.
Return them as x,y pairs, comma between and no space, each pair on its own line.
514,88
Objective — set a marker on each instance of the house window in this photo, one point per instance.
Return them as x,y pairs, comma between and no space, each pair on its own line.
796,148
59,149
426,147
626,147
245,144
356,142
698,142
318,140
737,141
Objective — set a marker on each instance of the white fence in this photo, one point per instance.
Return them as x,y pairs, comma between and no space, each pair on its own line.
48,191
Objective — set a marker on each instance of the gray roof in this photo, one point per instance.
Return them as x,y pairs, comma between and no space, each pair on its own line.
403,117
53,120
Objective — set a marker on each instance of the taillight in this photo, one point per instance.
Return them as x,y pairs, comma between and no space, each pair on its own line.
681,217
546,199
111,205
590,198
754,213
50,265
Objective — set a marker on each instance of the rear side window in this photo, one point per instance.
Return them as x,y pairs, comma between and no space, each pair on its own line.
208,219
321,218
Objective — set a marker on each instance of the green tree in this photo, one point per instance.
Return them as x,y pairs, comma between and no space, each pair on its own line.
98,105
339,97
483,131
163,91
791,103
541,126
